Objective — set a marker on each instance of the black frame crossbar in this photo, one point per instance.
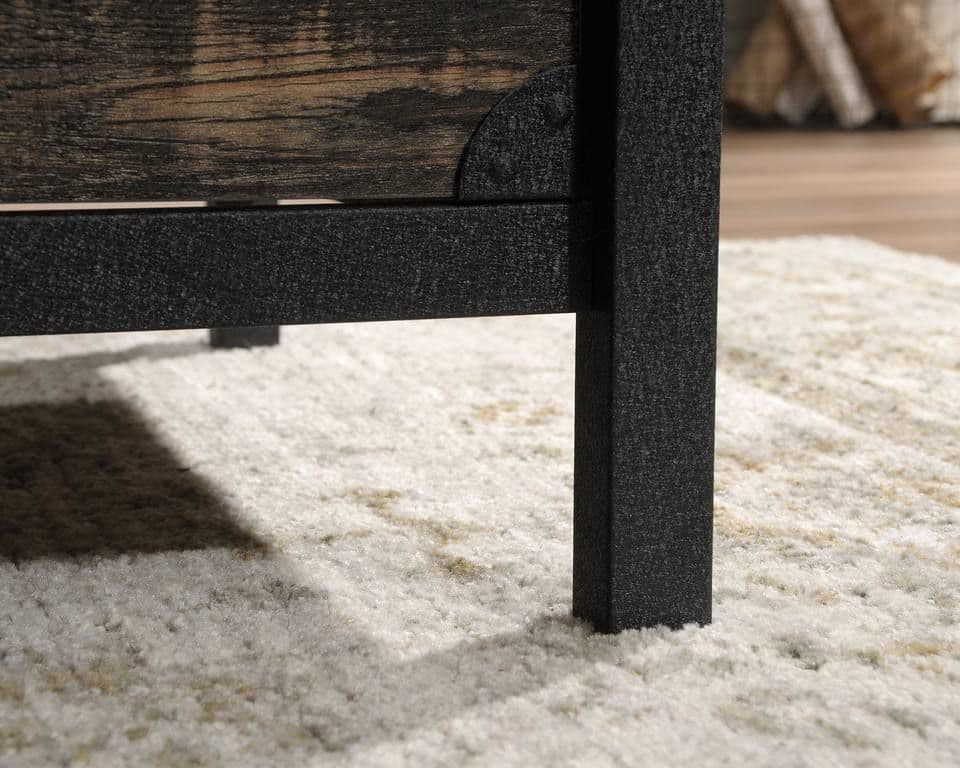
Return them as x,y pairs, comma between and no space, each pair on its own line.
198,268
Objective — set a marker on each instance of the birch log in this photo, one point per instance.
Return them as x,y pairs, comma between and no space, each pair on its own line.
942,21
801,95
766,64
823,42
902,63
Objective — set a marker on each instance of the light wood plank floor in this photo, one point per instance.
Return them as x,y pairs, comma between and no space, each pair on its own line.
901,188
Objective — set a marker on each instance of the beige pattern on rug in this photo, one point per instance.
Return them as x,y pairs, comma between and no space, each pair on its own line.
355,548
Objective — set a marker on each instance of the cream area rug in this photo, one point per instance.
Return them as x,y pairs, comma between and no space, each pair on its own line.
355,548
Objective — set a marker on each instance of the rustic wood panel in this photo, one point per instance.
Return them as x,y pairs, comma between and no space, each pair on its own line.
106,100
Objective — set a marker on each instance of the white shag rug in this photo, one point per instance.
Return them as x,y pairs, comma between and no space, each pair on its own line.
355,548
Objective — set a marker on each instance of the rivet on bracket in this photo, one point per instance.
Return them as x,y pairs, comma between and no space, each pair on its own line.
502,168
524,148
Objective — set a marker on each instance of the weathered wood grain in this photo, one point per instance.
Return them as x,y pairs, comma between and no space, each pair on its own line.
105,100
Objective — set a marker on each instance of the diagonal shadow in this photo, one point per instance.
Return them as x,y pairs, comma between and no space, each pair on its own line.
91,478
24,378
386,699
79,478
91,361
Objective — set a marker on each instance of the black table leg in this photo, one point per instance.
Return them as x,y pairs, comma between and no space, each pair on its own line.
245,338
643,499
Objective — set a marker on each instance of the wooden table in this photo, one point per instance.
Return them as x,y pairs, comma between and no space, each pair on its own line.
493,158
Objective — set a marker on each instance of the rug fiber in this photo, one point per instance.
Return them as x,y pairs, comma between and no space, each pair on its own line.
355,548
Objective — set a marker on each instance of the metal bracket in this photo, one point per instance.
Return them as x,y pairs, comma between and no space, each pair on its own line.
524,148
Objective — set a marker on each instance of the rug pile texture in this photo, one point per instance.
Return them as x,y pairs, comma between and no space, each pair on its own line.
355,548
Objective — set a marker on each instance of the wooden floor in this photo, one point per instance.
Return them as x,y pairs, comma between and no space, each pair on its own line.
901,188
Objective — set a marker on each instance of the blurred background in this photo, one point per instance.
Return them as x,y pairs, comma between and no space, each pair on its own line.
843,117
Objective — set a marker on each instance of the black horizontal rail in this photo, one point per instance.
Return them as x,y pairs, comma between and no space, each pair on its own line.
204,268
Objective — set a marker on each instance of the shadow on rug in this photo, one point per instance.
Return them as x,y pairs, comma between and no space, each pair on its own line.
354,548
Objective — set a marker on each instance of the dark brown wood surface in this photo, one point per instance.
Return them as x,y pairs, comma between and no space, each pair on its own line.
107,100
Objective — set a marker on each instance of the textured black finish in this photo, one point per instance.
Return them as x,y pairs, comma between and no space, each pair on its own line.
255,336
245,338
196,268
524,148
650,92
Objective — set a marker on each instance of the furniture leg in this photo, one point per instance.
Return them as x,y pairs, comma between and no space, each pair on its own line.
643,498
245,338
253,336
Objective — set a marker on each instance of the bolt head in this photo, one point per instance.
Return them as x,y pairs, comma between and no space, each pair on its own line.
502,168
557,110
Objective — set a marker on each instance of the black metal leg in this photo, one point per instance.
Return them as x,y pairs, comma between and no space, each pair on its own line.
245,338
253,336
643,500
